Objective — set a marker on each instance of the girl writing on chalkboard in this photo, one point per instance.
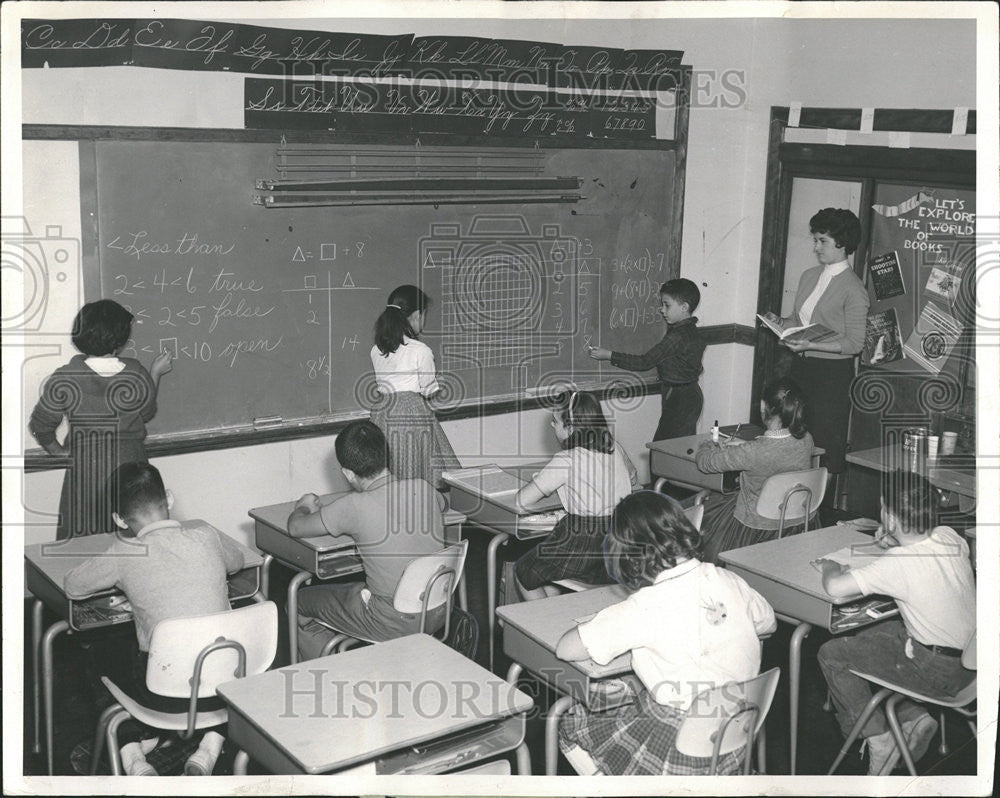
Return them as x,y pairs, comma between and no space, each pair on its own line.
406,378
107,401
591,475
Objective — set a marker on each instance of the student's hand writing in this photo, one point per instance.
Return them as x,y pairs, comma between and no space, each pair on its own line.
309,502
598,353
162,363
830,566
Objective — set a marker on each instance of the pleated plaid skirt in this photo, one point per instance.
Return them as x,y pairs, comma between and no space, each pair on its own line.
418,447
638,740
722,531
574,550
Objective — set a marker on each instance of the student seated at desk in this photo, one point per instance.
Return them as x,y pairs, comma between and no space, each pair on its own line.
929,574
181,572
392,521
689,625
731,521
591,476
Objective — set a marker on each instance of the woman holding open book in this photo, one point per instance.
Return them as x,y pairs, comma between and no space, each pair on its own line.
833,296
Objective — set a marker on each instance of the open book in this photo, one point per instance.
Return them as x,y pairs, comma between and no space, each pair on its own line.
487,480
809,332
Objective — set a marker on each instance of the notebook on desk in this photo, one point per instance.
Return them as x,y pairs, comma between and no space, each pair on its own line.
487,480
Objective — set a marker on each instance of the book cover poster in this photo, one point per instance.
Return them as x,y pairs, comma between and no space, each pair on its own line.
887,276
883,341
934,336
944,284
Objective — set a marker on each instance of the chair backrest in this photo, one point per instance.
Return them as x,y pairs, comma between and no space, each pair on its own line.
725,718
177,642
969,654
792,495
695,514
429,581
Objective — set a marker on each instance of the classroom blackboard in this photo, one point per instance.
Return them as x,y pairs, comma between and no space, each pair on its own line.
270,310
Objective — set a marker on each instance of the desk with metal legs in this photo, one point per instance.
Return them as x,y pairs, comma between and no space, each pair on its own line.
499,516
530,634
406,706
46,566
781,571
322,557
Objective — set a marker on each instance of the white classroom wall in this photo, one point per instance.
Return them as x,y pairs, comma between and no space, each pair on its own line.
849,63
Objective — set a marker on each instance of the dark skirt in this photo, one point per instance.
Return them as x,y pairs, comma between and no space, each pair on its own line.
826,384
87,498
680,407
638,740
574,550
722,531
418,447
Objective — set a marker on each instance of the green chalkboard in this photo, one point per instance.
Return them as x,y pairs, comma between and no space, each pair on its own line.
270,310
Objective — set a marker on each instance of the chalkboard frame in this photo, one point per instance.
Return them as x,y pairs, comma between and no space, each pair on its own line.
179,443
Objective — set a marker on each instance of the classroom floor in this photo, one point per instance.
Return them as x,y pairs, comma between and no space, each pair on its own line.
76,708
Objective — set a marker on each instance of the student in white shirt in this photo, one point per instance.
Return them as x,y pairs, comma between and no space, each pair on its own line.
406,379
591,475
929,574
689,625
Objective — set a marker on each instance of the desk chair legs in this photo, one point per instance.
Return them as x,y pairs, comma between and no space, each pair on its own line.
240,763
111,737
556,711
334,644
47,679
102,727
523,760
301,578
36,664
265,576
859,724
491,588
794,682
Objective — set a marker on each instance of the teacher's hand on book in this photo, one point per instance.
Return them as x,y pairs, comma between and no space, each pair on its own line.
795,345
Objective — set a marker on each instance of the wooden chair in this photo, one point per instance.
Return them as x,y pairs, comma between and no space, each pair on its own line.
792,497
188,658
727,718
427,583
961,703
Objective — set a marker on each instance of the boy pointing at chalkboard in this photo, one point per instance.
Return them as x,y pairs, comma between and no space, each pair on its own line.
677,359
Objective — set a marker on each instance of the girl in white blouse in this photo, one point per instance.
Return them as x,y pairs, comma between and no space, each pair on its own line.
591,475
406,378
689,626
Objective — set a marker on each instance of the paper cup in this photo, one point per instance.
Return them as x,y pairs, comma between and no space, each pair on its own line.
948,441
932,447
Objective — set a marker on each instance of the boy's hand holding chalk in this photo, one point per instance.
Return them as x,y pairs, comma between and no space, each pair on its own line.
597,353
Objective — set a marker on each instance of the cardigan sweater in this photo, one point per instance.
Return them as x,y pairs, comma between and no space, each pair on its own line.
843,308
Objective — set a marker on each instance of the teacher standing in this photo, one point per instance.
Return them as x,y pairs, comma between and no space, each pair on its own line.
830,294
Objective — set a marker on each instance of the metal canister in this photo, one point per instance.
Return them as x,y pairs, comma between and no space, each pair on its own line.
915,439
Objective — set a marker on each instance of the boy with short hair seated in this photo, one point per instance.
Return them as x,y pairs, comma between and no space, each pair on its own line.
166,569
392,522
927,570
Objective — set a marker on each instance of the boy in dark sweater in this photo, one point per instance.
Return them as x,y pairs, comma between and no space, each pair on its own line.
677,358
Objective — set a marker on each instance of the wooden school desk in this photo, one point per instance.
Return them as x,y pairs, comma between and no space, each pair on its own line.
531,631
406,706
673,461
46,566
320,557
949,472
781,571
499,516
